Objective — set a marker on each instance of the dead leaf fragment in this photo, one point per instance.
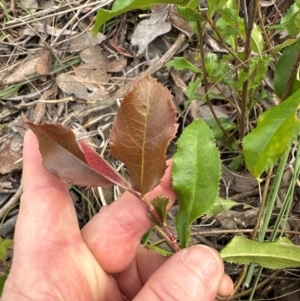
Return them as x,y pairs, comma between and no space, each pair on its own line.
85,40
40,109
22,72
200,110
148,30
231,218
10,153
143,127
238,181
42,66
116,65
92,75
179,22
31,5
94,55
73,85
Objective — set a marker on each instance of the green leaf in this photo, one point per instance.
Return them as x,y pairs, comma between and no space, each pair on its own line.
192,88
189,14
120,4
180,63
196,175
144,240
4,245
2,282
257,73
104,15
159,250
227,31
276,130
284,68
288,21
257,39
160,205
293,26
222,205
236,162
260,68
217,132
279,254
214,6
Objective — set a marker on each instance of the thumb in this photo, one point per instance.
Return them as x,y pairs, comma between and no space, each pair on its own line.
192,274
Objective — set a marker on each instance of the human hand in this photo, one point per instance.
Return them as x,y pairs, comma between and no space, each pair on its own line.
55,261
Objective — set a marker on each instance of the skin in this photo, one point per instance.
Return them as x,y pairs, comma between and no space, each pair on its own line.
54,260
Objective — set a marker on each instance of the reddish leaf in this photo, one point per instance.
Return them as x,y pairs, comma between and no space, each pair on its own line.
144,125
63,157
100,165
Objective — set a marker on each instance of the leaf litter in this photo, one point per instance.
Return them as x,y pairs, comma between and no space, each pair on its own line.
54,46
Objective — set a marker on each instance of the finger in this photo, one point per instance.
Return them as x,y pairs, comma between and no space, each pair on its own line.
47,214
133,278
191,274
226,287
114,234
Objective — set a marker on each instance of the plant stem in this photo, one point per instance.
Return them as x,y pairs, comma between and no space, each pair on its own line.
171,240
264,32
262,205
292,75
169,235
200,32
244,101
262,284
216,30
248,269
268,212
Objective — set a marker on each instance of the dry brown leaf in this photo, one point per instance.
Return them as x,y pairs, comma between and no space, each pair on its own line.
31,5
179,22
72,85
143,127
200,110
11,153
94,55
116,65
148,30
50,30
40,109
238,181
85,40
92,75
231,219
42,66
22,71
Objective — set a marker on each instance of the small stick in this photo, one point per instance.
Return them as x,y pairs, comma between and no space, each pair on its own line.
13,200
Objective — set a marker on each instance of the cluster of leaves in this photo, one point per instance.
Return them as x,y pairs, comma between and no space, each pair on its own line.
249,72
243,74
137,138
138,141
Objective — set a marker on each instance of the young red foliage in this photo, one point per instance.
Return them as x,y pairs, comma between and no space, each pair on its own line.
63,157
143,128
99,164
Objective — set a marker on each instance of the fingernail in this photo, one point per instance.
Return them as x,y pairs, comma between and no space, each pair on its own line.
205,260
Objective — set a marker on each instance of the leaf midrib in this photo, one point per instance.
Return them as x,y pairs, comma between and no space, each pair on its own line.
144,140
